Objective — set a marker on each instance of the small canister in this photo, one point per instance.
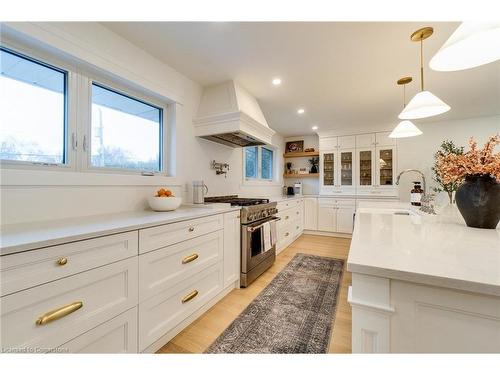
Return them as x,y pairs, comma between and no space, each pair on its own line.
199,191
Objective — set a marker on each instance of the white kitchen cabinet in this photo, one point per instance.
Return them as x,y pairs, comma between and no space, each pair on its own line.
310,213
365,140
393,316
345,219
385,160
382,139
51,314
172,265
232,248
328,143
347,141
362,164
335,215
164,311
346,170
118,335
327,217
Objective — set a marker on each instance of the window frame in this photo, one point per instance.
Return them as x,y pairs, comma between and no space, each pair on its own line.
78,117
90,79
259,180
70,136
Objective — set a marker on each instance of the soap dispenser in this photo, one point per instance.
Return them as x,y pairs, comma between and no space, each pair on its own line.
416,194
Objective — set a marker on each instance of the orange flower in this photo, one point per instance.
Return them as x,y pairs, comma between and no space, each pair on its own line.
454,168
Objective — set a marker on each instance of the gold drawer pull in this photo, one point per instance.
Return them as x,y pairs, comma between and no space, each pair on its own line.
190,296
286,217
190,258
62,261
58,313
191,229
287,234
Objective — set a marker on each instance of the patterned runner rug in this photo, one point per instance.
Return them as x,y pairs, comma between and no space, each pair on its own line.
293,314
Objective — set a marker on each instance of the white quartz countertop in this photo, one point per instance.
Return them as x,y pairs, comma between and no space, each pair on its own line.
436,250
27,236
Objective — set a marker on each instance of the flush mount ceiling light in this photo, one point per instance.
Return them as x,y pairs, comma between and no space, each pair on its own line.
314,127
472,44
301,111
276,81
405,128
424,104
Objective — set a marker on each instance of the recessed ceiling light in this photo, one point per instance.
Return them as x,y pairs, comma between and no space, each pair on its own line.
277,81
301,111
314,127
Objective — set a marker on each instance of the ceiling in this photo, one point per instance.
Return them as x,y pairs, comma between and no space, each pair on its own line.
343,74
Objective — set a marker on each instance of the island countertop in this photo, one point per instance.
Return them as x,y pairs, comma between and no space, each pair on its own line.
27,236
435,250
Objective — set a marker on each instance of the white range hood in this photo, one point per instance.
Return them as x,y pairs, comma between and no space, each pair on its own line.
229,115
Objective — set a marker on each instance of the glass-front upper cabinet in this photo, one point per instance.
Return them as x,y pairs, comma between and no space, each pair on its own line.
385,166
365,173
328,169
346,168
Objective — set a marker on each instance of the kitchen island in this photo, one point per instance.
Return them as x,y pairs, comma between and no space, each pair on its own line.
423,283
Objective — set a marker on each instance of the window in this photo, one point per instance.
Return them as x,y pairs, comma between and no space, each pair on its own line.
251,166
32,110
53,116
126,133
259,163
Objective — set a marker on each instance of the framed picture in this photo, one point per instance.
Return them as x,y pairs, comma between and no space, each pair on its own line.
294,146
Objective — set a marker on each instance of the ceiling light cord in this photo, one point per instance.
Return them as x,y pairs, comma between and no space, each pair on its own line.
422,65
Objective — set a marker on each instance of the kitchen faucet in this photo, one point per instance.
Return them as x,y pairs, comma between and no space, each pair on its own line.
412,170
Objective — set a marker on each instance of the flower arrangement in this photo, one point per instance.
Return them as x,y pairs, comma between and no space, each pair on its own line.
447,148
454,167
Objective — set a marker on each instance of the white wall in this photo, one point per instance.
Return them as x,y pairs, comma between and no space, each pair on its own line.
418,152
98,46
309,185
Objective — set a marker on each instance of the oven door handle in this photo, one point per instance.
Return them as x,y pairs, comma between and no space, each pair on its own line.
253,229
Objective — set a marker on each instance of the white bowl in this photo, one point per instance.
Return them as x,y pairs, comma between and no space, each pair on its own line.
164,203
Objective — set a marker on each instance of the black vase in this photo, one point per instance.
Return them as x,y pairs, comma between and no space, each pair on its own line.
314,169
478,200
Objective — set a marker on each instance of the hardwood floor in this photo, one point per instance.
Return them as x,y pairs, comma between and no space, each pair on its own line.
203,331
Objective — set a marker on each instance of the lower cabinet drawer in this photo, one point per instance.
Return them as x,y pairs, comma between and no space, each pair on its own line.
118,335
31,268
165,235
164,311
164,268
44,317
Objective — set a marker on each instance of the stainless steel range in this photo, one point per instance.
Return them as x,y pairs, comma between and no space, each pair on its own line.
258,234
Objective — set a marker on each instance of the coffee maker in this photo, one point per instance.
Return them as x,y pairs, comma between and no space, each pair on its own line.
297,188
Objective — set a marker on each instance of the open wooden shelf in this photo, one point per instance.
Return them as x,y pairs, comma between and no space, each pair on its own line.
297,175
300,154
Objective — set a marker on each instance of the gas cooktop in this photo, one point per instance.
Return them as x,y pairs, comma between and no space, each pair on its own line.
234,200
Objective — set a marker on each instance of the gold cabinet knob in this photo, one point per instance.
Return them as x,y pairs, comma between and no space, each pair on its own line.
287,234
191,229
62,261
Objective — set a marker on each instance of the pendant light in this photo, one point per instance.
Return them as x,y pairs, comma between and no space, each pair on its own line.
405,128
472,44
424,104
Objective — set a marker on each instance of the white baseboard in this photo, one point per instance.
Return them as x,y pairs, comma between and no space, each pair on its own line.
328,234
158,344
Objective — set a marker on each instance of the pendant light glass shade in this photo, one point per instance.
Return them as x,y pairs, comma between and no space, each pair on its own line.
405,129
472,44
424,104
